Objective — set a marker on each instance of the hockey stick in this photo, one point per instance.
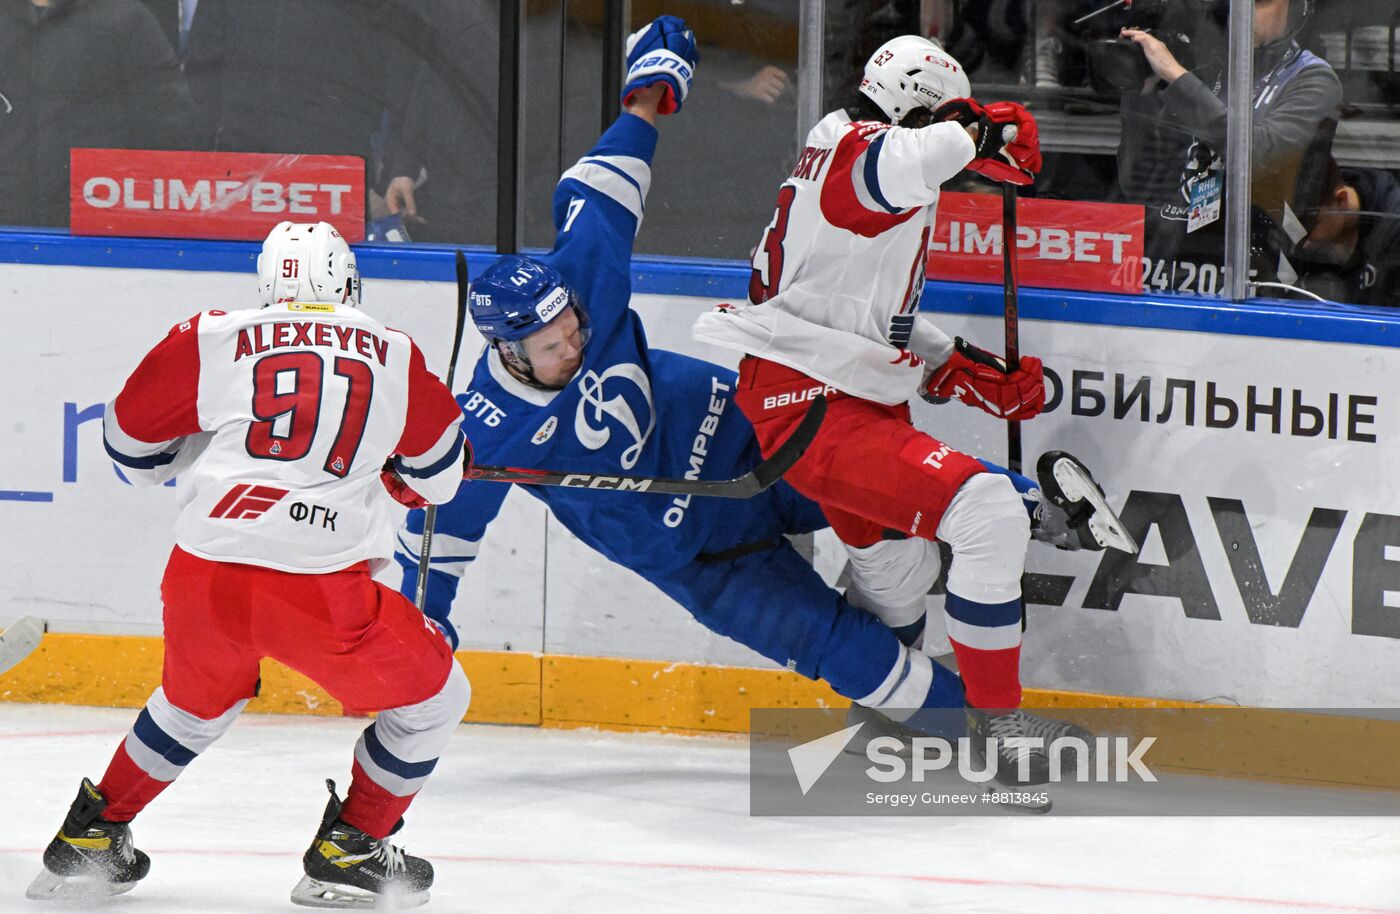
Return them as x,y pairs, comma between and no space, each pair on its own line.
750,484
19,641
1010,313
420,590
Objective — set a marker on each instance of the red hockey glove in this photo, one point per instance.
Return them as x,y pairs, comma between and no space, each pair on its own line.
399,489
1022,150
1008,142
978,378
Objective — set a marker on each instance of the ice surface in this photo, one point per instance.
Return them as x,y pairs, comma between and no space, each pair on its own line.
523,819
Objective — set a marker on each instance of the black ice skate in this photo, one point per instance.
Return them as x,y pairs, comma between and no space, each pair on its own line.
89,857
1016,765
346,868
1024,766
943,722
1070,487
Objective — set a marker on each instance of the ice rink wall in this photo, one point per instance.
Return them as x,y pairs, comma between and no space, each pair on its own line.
1251,447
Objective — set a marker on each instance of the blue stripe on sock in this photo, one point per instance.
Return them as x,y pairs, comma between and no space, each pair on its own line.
392,763
984,615
160,742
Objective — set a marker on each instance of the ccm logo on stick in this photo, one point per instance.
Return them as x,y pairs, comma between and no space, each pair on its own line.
606,482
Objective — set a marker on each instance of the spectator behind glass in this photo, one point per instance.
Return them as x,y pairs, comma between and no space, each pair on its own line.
1352,253
1173,134
447,132
79,73
298,76
735,144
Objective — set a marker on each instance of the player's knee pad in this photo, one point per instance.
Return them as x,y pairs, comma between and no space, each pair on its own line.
891,578
166,738
987,528
437,714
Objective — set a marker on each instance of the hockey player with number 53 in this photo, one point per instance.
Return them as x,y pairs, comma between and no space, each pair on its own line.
833,309
279,423
568,380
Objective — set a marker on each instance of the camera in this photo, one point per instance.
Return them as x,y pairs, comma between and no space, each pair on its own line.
1117,65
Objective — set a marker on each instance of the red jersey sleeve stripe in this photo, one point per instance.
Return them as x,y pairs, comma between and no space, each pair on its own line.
431,409
160,401
839,202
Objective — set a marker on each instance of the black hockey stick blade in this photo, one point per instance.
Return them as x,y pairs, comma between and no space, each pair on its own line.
750,484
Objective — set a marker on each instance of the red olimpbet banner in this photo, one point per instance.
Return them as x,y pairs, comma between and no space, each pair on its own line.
230,195
1060,244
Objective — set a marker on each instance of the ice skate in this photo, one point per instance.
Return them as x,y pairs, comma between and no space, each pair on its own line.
346,868
1051,729
947,723
1069,487
89,858
1019,767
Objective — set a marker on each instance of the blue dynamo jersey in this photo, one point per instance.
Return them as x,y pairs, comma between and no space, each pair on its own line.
628,410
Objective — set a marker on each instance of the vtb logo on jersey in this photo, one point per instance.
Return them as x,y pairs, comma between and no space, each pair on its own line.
590,424
246,501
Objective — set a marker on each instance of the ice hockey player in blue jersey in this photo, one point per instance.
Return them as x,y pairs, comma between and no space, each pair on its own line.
568,381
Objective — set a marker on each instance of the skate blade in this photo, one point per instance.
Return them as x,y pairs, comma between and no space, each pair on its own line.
1021,799
1108,531
313,893
52,887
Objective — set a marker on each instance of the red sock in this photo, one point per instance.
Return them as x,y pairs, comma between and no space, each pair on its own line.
370,808
127,788
992,678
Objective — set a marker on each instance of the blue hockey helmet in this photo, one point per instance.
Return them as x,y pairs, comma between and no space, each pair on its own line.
515,298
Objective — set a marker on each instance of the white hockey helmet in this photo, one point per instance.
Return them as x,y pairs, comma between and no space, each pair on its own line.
307,262
910,72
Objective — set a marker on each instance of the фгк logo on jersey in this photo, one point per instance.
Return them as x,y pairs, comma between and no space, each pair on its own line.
593,407
246,501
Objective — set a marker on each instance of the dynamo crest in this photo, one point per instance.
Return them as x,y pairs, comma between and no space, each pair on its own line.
594,408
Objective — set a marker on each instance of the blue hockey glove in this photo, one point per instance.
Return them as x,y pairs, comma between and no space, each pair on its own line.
662,52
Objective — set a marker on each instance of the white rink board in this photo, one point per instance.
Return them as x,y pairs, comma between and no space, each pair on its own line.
91,559
1149,645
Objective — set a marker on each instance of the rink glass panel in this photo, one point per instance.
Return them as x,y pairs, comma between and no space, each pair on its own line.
411,88
1346,196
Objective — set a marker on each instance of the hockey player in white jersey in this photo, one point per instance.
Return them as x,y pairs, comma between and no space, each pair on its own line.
279,423
833,309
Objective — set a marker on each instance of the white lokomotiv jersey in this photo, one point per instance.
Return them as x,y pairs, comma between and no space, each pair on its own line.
278,422
838,276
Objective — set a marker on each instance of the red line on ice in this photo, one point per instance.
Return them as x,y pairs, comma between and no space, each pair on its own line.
829,874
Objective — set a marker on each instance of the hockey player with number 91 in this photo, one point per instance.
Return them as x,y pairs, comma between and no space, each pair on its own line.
833,308
279,423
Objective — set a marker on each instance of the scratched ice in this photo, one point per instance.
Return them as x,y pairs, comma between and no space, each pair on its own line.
522,819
